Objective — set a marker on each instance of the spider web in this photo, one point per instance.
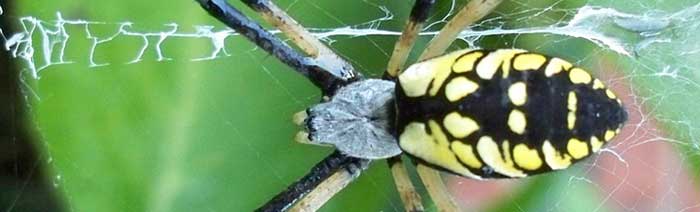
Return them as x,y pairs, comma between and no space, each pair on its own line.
645,50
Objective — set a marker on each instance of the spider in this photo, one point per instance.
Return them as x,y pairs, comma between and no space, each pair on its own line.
480,114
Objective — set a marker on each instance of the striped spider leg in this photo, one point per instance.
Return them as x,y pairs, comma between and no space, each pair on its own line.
324,56
326,71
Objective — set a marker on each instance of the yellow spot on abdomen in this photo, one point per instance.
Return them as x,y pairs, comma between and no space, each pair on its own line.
488,66
610,94
609,134
433,149
501,163
571,101
438,134
443,64
466,62
459,126
517,121
576,148
518,93
570,120
416,79
530,61
595,144
459,87
556,65
579,76
555,160
465,153
571,106
526,158
597,84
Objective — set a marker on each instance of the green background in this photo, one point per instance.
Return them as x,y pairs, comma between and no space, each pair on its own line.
216,135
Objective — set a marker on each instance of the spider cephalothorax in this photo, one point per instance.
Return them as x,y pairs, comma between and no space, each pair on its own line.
357,121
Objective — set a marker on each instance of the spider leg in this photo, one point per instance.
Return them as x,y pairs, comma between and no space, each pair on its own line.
326,80
322,182
410,198
419,13
308,43
318,197
436,188
470,13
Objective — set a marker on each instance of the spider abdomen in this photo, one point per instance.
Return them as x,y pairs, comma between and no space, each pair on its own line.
503,113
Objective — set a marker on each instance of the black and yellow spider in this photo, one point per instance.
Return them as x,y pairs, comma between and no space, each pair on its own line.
504,113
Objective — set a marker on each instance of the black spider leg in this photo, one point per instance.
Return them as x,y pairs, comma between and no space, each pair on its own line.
307,66
319,173
302,38
414,25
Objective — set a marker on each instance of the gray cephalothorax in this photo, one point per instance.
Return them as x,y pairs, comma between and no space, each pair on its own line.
356,121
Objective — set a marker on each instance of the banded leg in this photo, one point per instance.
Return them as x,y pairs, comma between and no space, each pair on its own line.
436,188
470,13
474,10
410,198
326,58
318,197
326,80
419,13
325,179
